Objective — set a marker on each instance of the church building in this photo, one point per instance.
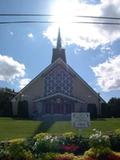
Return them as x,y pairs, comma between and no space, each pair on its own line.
57,90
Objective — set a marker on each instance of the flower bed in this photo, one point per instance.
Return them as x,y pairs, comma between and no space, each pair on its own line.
69,146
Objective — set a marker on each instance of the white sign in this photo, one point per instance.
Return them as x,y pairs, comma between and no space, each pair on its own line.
80,120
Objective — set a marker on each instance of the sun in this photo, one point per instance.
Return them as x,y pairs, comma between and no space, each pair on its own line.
67,15
64,12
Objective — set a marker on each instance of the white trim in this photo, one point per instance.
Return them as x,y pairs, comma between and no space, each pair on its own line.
59,94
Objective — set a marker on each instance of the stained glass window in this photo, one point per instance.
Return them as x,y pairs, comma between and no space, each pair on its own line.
58,81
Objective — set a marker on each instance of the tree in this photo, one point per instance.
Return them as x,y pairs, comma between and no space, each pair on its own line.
23,109
114,101
114,105
6,95
92,109
105,110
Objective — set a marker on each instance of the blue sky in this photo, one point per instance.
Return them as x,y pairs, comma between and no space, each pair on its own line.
93,51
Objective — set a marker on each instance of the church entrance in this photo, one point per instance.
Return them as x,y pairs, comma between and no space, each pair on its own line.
58,106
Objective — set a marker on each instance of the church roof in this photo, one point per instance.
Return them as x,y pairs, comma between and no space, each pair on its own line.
67,67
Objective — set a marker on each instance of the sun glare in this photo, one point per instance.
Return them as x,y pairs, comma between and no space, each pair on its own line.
63,11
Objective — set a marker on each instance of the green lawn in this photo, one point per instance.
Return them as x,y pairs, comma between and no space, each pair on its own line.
13,128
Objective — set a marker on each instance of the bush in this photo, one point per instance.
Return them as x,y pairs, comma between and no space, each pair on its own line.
17,150
115,140
46,143
98,152
49,156
23,109
68,142
57,156
65,156
105,110
74,142
93,110
4,154
43,147
97,140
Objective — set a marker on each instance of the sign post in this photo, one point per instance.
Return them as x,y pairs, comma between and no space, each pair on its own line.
80,120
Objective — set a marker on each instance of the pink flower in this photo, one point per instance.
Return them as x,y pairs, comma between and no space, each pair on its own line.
70,148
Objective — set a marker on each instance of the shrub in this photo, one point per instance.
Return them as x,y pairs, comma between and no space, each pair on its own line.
46,143
105,110
97,139
65,156
93,110
57,156
4,154
100,145
23,109
98,152
17,150
40,136
80,143
117,131
49,156
115,140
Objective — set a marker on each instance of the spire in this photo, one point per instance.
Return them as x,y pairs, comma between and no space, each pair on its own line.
58,52
59,40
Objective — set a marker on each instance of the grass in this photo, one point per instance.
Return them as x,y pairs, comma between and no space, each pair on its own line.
14,128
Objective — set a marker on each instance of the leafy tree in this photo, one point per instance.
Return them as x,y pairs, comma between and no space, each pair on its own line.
6,95
114,101
114,105
105,110
23,109
92,109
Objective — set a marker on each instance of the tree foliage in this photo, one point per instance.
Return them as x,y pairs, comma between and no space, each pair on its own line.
92,109
112,108
6,95
114,101
23,109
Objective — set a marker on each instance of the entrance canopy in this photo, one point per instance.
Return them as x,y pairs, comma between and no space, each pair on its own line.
59,95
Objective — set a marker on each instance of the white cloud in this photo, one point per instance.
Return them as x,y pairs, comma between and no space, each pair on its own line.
10,69
23,82
84,35
106,49
30,35
108,74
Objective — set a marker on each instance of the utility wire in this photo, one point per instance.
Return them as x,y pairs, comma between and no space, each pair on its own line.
50,15
77,22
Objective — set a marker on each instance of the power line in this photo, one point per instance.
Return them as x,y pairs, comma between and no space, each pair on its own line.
51,15
77,22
